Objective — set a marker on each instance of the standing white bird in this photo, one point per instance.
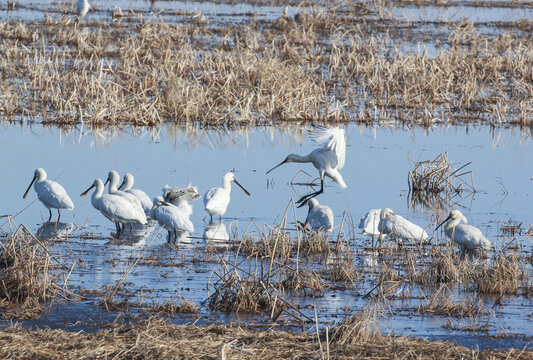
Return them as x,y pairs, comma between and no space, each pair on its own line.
328,158
116,208
468,237
170,217
113,178
82,7
217,199
399,228
319,216
180,196
50,193
126,186
370,222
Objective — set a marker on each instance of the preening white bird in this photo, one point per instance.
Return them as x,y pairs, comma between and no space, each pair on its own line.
319,216
170,217
468,237
180,196
370,222
113,178
50,193
399,228
328,159
126,186
115,208
217,199
82,7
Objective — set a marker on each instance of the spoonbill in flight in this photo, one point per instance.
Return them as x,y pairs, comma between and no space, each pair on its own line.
399,228
328,158
217,199
50,193
468,237
116,208
126,186
170,217
319,216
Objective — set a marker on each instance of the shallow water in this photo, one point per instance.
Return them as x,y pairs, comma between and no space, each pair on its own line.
378,160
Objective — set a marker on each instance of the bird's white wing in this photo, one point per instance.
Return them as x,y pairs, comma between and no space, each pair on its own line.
146,202
470,237
331,139
173,217
369,223
52,194
399,227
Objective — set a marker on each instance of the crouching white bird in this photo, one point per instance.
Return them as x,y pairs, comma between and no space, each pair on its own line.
82,7
468,237
114,207
170,217
180,196
50,193
217,199
319,216
328,159
126,186
399,228
370,222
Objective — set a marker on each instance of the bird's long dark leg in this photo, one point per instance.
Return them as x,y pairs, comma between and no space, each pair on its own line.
50,217
117,228
304,199
58,216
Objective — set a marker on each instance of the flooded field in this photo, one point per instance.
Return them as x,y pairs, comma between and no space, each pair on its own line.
156,273
180,93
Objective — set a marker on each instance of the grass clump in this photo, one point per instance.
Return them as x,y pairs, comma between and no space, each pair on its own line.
504,276
28,276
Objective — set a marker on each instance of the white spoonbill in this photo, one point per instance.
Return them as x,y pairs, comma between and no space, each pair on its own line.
82,7
113,178
468,237
50,193
328,158
180,196
115,208
319,216
217,199
170,217
126,186
399,228
370,222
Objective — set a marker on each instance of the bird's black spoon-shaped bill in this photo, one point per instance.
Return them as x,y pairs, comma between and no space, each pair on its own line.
86,191
281,163
29,187
448,218
246,191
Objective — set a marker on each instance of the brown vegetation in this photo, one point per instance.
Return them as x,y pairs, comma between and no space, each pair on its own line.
157,339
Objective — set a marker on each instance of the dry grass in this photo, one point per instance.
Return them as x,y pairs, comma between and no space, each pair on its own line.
505,275
157,339
441,303
29,276
330,63
171,308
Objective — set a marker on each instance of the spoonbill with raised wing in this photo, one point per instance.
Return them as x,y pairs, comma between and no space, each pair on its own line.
328,159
